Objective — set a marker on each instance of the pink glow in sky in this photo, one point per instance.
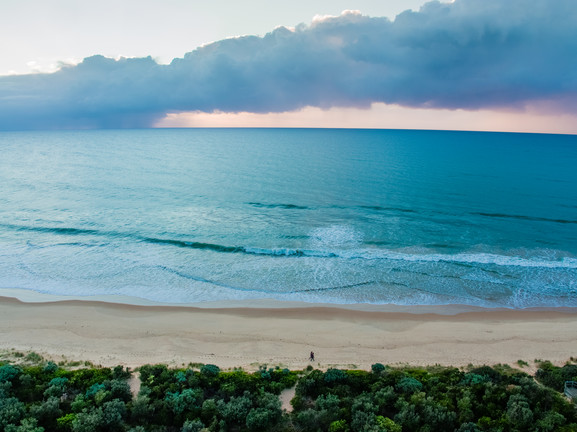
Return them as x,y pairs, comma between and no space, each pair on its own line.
382,116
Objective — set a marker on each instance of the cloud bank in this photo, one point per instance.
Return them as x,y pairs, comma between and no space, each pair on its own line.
469,54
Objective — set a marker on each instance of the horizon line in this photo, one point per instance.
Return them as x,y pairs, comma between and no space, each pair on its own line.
291,127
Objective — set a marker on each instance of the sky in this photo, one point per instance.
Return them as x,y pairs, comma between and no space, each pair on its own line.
503,65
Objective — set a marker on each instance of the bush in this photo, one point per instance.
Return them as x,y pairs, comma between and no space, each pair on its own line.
518,412
65,422
57,387
328,402
142,409
385,423
192,426
48,411
11,412
339,426
409,385
259,419
109,417
8,373
474,379
552,421
185,401
34,357
119,390
468,427
490,373
237,408
363,421
335,375
50,367
27,425
119,373
210,370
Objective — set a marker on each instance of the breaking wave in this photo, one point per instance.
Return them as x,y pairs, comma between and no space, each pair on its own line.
329,241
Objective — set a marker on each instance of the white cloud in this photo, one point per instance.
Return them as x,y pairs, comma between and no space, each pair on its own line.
318,19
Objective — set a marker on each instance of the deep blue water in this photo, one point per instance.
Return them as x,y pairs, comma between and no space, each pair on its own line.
338,216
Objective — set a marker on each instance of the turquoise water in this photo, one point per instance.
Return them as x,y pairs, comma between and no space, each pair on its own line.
337,216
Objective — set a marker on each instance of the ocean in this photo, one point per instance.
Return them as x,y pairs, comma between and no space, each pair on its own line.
315,215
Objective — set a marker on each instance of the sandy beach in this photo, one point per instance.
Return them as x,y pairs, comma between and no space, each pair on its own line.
281,334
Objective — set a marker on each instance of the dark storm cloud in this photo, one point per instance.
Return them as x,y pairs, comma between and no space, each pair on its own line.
468,54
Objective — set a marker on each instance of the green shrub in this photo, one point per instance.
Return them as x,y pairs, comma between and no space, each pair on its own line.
468,427
339,426
386,424
50,367
26,425
260,419
187,400
33,357
47,411
65,422
11,412
409,385
8,373
192,426
93,389
328,402
335,375
237,408
474,379
519,412
210,370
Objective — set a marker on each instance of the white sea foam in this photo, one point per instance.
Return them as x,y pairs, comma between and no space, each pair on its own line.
334,236
462,258
383,254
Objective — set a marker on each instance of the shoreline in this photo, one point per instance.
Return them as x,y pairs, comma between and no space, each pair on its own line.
277,333
31,296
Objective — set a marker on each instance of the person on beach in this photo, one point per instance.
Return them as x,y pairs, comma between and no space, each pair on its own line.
312,357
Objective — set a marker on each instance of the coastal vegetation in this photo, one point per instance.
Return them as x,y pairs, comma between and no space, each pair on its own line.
38,395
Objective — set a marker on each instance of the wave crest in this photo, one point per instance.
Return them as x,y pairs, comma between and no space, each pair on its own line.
328,243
